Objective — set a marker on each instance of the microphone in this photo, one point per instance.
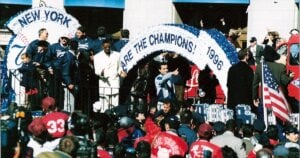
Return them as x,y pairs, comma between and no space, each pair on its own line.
19,116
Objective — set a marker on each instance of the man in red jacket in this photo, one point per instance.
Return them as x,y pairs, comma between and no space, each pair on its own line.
202,147
55,122
168,143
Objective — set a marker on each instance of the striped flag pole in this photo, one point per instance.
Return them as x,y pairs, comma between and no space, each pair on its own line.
262,90
273,98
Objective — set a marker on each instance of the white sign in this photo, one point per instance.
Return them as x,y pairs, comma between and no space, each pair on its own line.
26,25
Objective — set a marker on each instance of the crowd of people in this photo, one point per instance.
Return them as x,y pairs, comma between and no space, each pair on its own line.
144,133
80,88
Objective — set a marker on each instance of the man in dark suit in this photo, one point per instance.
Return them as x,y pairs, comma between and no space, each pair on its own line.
239,82
255,52
278,70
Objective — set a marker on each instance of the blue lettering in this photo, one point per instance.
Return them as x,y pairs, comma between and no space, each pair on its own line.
136,49
173,37
47,14
153,39
144,43
194,49
161,38
60,18
140,45
179,41
22,21
66,21
167,38
190,47
128,57
220,65
29,18
208,50
123,66
185,43
215,58
19,54
36,15
53,16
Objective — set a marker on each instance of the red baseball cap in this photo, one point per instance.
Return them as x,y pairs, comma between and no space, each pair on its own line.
205,130
48,103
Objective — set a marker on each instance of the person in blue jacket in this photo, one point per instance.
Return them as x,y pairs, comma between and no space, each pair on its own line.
70,76
118,45
32,48
102,35
53,64
86,49
29,81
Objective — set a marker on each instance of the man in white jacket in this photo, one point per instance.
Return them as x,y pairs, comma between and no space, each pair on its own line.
107,67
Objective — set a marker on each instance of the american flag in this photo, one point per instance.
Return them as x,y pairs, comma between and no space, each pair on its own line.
273,96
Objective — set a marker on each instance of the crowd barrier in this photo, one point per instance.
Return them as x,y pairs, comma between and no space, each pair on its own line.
214,112
219,112
85,95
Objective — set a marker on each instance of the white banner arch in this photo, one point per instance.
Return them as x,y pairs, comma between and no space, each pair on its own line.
202,47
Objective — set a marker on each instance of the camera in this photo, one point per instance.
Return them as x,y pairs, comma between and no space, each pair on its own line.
81,127
80,124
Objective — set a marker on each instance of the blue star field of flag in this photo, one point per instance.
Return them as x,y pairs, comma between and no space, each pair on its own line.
269,79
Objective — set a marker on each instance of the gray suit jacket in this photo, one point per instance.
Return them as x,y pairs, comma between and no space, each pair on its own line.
228,138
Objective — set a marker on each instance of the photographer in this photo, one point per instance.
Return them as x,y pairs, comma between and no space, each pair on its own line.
14,134
81,128
128,133
8,136
143,149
